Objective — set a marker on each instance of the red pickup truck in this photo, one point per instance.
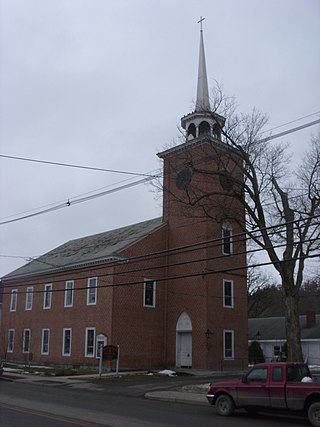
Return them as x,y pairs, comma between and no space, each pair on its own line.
272,386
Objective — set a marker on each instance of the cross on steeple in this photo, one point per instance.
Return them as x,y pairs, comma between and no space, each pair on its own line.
200,22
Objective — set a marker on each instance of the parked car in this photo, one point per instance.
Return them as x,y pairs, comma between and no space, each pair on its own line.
269,386
1,367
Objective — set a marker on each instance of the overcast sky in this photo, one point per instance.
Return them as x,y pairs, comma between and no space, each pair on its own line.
104,83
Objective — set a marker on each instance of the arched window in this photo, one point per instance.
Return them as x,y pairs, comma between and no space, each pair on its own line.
216,131
204,128
226,239
191,131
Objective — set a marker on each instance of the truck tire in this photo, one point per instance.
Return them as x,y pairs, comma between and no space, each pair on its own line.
224,405
314,414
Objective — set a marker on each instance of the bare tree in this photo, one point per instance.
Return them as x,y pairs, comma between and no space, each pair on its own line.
257,280
282,205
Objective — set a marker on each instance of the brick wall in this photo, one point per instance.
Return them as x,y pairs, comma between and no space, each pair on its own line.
189,279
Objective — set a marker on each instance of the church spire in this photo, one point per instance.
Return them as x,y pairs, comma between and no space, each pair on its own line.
202,122
203,103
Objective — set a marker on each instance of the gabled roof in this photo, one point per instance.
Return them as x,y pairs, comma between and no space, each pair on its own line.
273,328
86,251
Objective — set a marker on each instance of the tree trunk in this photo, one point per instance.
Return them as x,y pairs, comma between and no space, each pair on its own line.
294,350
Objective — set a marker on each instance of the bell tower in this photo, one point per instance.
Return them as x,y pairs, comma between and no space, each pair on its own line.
206,313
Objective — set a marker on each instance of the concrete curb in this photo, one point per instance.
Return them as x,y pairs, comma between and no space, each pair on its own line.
178,397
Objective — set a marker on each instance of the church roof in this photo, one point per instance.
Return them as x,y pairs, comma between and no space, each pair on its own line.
86,251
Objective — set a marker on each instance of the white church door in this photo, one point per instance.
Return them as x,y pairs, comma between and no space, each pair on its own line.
184,341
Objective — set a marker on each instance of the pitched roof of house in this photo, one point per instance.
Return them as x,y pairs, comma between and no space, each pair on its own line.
273,328
89,250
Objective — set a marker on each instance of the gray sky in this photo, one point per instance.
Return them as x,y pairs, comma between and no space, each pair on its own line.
104,83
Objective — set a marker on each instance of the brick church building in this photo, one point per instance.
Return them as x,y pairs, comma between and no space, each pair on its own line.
170,291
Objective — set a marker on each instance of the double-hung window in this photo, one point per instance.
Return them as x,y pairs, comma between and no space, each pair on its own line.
29,298
228,293
26,341
149,295
68,293
66,345
228,344
10,346
45,341
92,291
13,301
90,342
47,296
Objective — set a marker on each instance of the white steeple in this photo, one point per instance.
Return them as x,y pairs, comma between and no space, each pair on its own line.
203,103
202,122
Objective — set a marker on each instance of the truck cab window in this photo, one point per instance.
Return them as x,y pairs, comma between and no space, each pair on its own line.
277,374
258,375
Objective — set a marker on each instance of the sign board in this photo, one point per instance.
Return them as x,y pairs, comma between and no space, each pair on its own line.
110,352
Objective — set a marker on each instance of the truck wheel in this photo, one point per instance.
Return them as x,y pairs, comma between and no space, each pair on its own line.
225,405
314,414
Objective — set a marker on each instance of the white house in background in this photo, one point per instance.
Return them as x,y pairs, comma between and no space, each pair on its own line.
271,334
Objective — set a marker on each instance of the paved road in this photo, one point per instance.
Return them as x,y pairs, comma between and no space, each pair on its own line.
113,403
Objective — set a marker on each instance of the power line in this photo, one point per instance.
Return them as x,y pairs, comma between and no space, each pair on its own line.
93,168
292,121
212,243
69,202
148,176
158,279
176,251
292,130
70,165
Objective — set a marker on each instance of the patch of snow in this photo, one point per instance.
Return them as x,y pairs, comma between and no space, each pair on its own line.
168,372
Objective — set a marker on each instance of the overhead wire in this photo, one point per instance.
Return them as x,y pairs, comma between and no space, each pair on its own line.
76,201
71,165
292,121
158,279
286,132
162,253
179,250
148,176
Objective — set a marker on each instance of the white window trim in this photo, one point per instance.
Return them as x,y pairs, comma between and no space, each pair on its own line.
154,293
66,293
24,340
64,342
42,341
224,344
29,302
11,348
98,344
86,342
229,228
90,289
14,298
224,294
46,291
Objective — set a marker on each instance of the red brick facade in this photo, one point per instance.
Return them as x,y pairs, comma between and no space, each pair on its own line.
183,255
